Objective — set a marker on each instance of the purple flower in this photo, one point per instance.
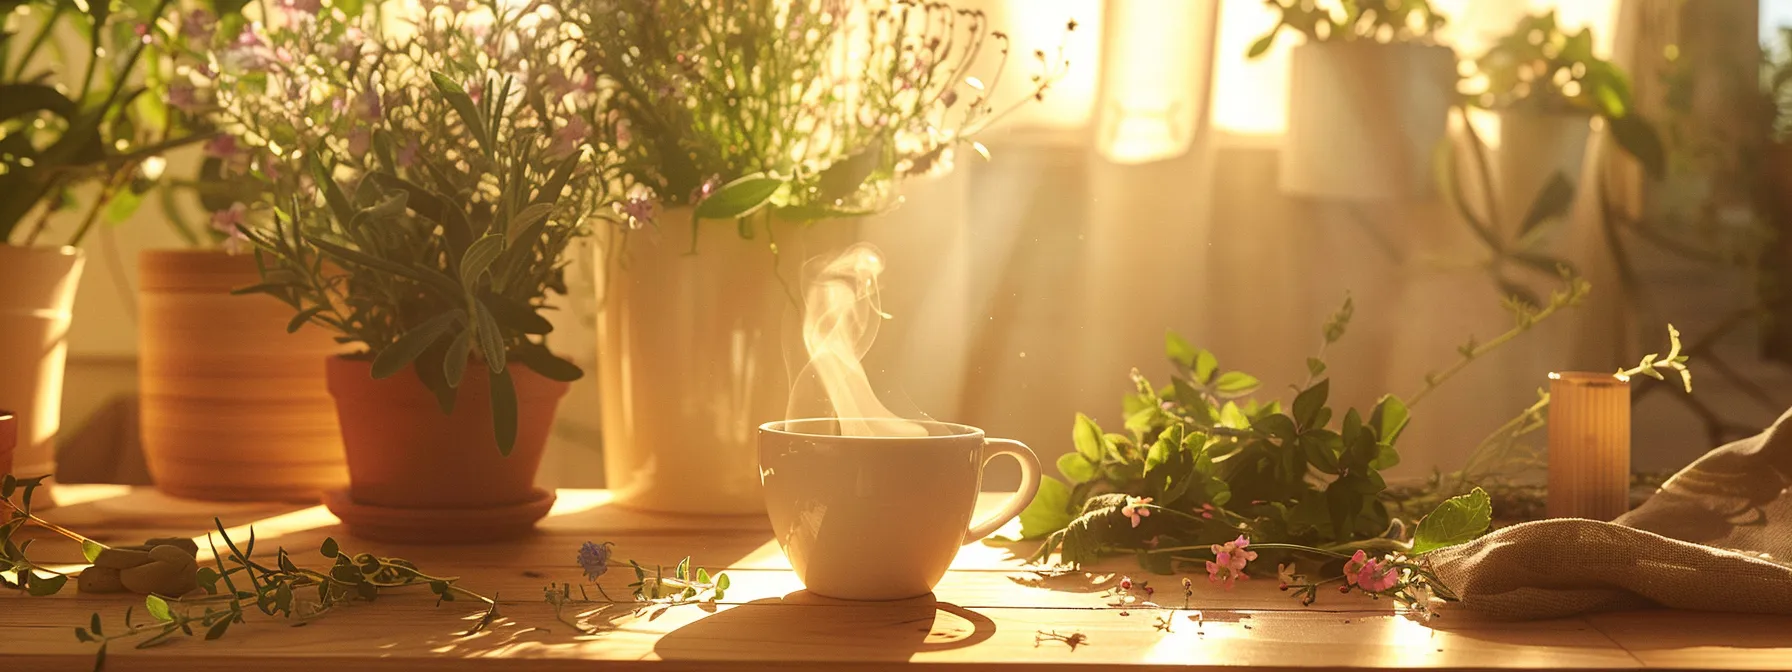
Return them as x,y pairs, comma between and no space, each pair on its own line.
407,155
359,141
183,96
367,102
636,211
705,190
199,25
230,223
595,559
567,138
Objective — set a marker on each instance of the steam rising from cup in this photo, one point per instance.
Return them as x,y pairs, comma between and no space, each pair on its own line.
841,314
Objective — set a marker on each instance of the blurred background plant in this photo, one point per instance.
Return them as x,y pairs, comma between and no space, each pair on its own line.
1379,21
100,113
818,108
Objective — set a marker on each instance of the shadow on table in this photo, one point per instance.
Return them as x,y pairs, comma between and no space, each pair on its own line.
805,626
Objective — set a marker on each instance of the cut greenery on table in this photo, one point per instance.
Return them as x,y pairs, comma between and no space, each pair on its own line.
1206,471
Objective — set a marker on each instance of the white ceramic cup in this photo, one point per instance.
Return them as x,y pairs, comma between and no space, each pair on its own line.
880,517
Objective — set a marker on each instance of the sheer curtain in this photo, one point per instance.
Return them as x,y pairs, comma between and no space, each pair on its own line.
1142,196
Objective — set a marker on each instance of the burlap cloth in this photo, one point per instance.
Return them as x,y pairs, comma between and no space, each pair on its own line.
1716,537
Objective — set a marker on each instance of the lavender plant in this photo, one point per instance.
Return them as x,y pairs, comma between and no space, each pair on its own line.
809,108
424,182
685,584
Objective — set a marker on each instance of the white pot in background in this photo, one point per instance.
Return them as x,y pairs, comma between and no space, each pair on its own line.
1533,148
1364,119
37,295
695,351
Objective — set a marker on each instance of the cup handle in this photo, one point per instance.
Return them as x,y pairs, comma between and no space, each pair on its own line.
1029,486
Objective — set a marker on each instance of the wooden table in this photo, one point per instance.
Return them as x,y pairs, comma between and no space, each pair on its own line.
988,612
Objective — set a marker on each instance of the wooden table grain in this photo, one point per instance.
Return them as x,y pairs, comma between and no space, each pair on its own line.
988,613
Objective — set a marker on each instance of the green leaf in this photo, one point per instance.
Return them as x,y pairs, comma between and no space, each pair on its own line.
1086,435
478,258
516,315
546,363
21,99
298,321
491,337
454,364
90,549
124,203
1552,202
503,411
1315,367
721,583
1309,402
536,213
395,357
1262,45
1389,419
1179,350
44,586
1234,384
158,608
739,198
217,629
463,105
329,549
1075,467
1639,139
1205,365
1458,520
1049,512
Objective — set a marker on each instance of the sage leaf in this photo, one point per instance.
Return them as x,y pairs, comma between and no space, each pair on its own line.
463,106
44,586
739,198
1458,520
503,411
90,549
478,258
491,339
395,357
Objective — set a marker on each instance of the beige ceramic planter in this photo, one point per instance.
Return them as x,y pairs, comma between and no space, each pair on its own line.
692,357
37,293
233,407
1364,119
1534,148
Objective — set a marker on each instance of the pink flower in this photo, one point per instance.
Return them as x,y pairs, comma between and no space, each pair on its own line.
567,138
230,223
1135,509
1224,575
705,190
1207,511
1233,554
359,141
367,104
407,155
1354,566
1377,576
183,96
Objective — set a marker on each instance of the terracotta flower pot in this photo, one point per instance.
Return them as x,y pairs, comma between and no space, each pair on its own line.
233,407
418,475
9,436
37,294
692,358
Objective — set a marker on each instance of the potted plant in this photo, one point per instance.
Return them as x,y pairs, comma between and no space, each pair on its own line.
431,207
80,133
739,127
1547,85
202,348
1369,95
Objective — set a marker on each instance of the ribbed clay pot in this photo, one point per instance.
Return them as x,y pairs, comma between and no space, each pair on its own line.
233,407
413,469
37,297
9,437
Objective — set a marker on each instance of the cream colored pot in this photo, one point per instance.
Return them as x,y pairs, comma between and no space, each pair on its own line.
692,356
1364,119
233,407
37,295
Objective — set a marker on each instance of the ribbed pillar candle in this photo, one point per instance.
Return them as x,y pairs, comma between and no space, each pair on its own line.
1589,445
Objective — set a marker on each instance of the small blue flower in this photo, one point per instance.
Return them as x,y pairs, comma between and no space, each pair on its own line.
595,558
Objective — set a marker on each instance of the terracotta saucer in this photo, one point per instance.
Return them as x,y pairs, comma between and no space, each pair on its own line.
438,526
